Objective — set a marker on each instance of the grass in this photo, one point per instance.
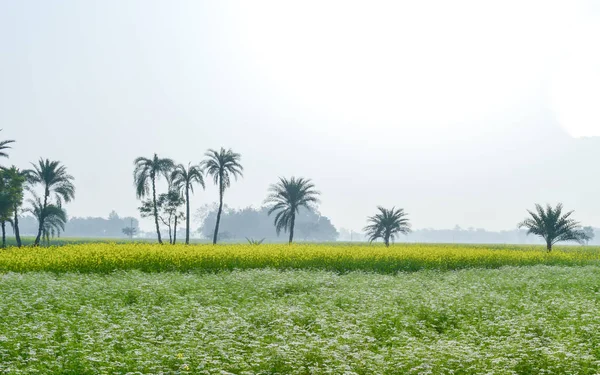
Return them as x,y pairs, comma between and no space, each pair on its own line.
513,320
106,258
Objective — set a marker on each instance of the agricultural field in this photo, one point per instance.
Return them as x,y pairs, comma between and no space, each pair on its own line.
301,309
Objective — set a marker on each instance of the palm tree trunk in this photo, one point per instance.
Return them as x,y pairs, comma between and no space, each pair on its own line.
42,218
187,214
3,234
155,209
220,209
16,225
175,231
292,223
549,246
387,240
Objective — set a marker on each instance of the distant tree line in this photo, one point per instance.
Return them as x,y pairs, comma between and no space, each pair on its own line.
111,227
255,223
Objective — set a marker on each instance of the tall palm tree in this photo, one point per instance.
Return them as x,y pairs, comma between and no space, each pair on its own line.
221,165
144,177
54,179
286,198
553,226
387,224
4,145
183,180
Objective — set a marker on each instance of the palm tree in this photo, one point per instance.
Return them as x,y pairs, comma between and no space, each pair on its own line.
387,224
183,180
52,216
145,173
221,165
286,198
55,180
553,226
4,145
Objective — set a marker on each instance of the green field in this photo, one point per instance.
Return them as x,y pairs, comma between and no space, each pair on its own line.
455,310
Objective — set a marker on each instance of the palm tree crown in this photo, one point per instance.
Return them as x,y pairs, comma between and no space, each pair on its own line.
54,178
221,165
387,224
183,180
147,170
553,226
286,198
4,145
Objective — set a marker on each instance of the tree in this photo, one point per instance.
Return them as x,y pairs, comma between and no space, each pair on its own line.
553,226
12,183
167,206
286,198
221,165
130,231
183,180
144,177
590,233
53,218
54,180
387,224
4,145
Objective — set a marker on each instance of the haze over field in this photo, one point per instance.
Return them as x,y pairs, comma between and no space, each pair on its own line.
464,112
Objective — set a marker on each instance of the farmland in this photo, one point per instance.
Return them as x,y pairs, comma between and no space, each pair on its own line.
301,309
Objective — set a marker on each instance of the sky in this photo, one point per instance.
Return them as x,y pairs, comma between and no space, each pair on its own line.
451,110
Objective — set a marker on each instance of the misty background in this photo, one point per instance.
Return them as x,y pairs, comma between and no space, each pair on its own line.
463,113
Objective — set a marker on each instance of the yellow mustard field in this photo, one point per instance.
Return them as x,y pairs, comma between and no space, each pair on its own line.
107,257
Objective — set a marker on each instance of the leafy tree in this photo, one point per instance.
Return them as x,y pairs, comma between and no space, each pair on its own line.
183,180
4,145
54,179
553,226
12,182
130,231
221,165
286,198
590,233
387,224
167,206
144,177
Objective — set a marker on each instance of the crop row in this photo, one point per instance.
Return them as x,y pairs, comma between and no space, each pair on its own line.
106,257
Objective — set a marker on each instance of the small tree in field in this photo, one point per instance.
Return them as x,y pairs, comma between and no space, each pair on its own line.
130,232
387,224
553,226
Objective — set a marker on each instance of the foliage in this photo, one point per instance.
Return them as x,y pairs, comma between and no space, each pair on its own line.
167,209
252,241
387,224
4,145
525,320
222,165
12,183
554,226
145,174
52,218
130,231
255,222
286,198
106,257
55,180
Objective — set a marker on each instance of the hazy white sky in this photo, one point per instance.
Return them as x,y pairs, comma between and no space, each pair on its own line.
434,106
